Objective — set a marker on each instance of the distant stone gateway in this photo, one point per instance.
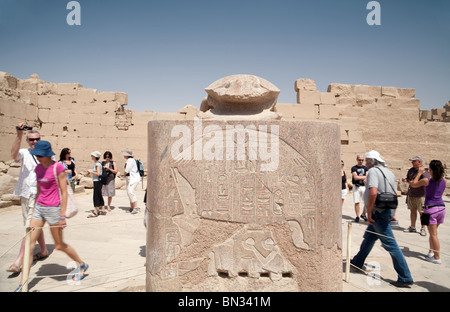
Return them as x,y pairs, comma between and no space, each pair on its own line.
226,224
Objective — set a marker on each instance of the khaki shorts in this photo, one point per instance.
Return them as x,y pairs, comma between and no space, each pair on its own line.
27,208
416,203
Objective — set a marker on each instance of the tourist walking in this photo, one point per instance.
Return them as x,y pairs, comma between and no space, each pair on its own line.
109,189
132,177
26,188
381,180
69,164
96,171
51,203
434,212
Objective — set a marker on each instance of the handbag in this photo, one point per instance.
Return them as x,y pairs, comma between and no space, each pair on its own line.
386,200
71,207
425,217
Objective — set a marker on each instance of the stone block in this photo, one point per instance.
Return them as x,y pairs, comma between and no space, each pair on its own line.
46,88
48,101
354,149
105,96
308,97
355,136
342,90
28,97
406,92
28,85
85,95
367,91
31,113
58,115
327,98
7,81
397,103
389,92
426,115
305,85
328,112
67,88
296,111
346,101
121,97
364,100
213,216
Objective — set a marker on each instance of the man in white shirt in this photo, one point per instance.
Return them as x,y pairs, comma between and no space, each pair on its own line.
133,177
26,188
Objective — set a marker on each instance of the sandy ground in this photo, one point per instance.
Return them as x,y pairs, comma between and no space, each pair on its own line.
114,247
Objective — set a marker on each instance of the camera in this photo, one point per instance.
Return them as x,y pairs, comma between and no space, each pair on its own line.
24,128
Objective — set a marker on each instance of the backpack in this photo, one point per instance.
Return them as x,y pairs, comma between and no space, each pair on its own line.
140,167
103,177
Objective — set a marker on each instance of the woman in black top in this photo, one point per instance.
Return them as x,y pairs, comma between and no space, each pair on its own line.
69,165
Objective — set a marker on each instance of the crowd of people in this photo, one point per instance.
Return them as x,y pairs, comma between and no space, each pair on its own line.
426,186
43,189
44,181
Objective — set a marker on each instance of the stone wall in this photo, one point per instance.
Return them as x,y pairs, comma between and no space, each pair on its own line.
387,119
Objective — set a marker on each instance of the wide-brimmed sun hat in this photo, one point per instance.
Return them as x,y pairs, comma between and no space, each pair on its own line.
42,148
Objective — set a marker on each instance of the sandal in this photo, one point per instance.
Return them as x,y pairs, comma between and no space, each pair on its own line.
19,288
102,213
93,215
79,276
14,269
40,256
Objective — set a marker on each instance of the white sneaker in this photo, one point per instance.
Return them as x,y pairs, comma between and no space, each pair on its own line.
433,260
430,255
423,232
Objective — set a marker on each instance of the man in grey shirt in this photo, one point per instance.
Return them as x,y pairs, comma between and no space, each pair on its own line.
380,220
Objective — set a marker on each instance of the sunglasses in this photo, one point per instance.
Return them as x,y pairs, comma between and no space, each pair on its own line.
32,140
360,159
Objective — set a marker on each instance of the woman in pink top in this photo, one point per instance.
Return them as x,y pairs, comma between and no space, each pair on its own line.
50,206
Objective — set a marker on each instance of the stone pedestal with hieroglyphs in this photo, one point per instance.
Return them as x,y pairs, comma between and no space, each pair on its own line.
243,205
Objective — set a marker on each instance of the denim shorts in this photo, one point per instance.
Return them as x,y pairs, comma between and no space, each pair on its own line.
49,214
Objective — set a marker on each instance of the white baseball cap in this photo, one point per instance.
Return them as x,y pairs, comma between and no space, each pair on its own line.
374,155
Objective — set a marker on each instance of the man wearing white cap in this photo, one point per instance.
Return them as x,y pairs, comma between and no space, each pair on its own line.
416,196
381,180
133,177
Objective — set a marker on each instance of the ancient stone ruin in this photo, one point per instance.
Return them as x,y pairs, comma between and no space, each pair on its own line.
238,201
387,119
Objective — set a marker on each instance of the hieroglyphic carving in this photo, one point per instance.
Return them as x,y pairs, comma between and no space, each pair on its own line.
252,251
238,191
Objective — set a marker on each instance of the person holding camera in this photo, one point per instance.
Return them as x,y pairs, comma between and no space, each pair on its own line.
434,212
381,181
26,188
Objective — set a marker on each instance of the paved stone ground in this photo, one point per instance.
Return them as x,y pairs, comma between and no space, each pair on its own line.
114,247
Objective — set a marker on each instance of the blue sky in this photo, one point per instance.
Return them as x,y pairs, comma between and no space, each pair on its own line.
165,53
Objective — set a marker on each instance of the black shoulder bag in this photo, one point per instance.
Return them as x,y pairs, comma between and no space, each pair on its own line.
386,200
